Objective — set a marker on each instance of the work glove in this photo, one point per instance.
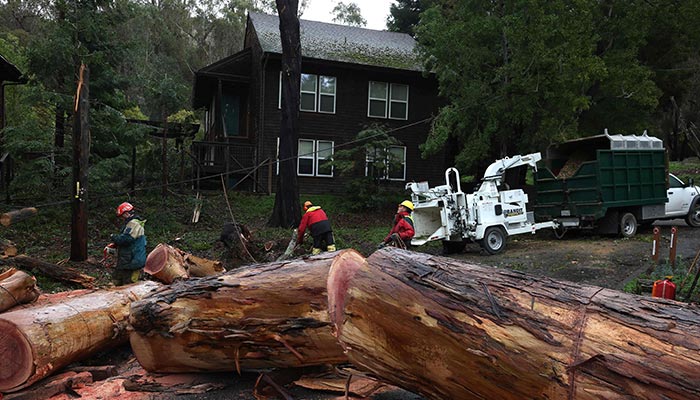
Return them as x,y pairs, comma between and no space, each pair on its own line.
395,237
381,245
110,249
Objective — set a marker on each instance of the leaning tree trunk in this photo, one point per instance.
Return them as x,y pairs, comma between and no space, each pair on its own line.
36,341
17,287
453,330
259,316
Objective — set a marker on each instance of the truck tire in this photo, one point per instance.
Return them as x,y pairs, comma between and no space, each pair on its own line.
693,217
453,246
628,225
494,240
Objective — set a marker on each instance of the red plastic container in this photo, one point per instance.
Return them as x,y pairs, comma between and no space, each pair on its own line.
664,288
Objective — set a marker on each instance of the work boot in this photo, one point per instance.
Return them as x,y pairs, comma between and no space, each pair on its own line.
315,251
331,247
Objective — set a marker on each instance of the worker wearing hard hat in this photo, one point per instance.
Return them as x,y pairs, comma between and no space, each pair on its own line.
320,227
130,244
403,231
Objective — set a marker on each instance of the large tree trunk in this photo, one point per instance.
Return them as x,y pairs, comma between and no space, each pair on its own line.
286,211
167,263
16,287
36,341
453,330
259,316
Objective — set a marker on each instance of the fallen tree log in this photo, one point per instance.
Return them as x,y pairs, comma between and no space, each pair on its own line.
258,316
166,264
17,287
7,248
9,218
452,330
36,341
57,272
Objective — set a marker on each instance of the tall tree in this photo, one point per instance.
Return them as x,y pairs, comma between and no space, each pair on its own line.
286,210
519,75
348,14
404,15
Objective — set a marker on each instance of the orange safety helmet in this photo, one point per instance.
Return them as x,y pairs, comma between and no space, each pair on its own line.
307,204
124,207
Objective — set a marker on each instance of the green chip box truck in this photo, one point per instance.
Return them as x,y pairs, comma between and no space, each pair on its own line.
612,183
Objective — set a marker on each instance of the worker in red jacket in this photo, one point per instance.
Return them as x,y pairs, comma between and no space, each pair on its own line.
320,227
403,231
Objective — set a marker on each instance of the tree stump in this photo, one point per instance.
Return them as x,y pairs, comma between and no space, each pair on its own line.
17,287
36,341
452,330
257,316
166,264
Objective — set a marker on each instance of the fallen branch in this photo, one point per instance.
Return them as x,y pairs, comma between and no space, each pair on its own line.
57,272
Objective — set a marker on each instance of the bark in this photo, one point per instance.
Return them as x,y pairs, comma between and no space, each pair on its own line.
17,287
285,213
452,330
57,272
258,316
12,217
40,340
167,263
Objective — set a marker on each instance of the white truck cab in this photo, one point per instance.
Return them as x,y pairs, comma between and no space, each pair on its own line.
683,201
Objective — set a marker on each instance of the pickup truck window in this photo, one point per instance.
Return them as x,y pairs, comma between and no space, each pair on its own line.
674,182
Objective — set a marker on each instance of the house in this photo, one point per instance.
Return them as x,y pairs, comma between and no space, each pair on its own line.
352,78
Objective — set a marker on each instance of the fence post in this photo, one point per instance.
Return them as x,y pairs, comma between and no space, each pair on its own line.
672,251
655,245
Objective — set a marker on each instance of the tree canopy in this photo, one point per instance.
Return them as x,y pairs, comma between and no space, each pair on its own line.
520,75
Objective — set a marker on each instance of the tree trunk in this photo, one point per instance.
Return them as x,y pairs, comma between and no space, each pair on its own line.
453,330
16,287
285,213
8,218
167,263
57,272
40,340
258,316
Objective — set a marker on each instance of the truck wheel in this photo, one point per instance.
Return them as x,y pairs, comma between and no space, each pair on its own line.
628,225
494,240
452,247
693,217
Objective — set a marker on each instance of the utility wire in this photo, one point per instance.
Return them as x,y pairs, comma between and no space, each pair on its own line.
236,171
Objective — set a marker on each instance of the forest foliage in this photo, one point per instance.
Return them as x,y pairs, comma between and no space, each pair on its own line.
515,75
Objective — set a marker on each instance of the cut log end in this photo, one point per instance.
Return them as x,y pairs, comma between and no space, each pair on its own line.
165,263
16,356
342,270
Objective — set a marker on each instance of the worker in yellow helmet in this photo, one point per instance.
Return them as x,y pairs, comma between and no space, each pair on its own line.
403,226
320,227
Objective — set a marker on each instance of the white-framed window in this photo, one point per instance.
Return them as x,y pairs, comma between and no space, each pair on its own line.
388,163
387,100
317,93
313,158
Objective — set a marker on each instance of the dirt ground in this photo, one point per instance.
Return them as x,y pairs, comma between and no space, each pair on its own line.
588,258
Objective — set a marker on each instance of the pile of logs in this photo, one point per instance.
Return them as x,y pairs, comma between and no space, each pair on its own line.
436,326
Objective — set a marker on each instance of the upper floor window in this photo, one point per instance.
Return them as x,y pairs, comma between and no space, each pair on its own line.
317,93
387,100
313,158
388,163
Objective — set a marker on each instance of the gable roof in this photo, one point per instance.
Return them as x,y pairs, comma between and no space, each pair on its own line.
8,71
341,43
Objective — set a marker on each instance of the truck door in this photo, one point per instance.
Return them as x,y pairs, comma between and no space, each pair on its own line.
676,197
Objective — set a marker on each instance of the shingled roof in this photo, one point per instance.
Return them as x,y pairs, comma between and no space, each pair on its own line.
8,71
341,43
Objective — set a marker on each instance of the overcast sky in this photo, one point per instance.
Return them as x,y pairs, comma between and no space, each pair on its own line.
374,11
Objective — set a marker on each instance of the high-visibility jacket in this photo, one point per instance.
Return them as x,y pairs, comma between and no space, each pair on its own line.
131,244
316,220
403,226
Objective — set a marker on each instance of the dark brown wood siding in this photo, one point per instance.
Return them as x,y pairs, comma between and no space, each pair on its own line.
351,117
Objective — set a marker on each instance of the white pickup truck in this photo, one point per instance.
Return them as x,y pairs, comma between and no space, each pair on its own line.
683,201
